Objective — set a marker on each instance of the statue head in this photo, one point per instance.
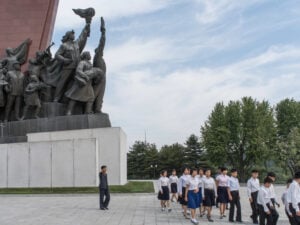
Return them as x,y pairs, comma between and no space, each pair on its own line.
85,56
69,36
16,65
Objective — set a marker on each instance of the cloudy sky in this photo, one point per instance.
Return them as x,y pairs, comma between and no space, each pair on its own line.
170,61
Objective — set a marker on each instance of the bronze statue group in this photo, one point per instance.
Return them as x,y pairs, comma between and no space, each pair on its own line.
197,189
69,78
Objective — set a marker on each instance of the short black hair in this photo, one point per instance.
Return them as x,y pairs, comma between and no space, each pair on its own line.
193,169
233,170
103,167
289,181
268,180
297,175
254,171
271,174
223,169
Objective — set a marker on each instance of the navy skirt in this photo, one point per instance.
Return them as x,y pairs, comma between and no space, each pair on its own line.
193,200
200,196
209,199
165,196
181,199
223,195
173,188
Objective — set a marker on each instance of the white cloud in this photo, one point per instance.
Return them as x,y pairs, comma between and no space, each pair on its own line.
172,106
214,10
109,9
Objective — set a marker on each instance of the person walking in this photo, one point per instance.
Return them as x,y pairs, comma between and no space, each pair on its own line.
164,189
104,189
293,198
286,204
174,180
252,191
209,193
222,184
234,197
265,206
191,194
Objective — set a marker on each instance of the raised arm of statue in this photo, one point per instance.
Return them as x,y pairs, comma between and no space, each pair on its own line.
81,40
19,53
99,50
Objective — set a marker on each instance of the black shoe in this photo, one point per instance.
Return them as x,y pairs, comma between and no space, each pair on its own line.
239,221
106,208
256,222
231,221
102,208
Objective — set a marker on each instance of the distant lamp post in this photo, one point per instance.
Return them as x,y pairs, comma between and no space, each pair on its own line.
154,169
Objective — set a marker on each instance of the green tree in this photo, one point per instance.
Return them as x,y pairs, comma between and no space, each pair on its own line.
241,134
139,160
288,125
171,157
194,155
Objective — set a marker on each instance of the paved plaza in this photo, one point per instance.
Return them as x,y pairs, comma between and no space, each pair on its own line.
125,209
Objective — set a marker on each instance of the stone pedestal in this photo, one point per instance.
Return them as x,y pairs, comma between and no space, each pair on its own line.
64,159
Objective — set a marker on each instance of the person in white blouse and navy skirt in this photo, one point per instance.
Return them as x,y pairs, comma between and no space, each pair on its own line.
209,193
173,181
164,190
192,194
222,184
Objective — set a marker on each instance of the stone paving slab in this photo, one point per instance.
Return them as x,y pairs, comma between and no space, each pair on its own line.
125,209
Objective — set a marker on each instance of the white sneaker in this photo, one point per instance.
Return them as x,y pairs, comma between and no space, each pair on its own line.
194,221
188,212
162,209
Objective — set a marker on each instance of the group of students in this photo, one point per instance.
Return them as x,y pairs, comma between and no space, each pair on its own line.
197,189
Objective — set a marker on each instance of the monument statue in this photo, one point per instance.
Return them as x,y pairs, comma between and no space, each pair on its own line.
14,90
82,90
31,96
66,84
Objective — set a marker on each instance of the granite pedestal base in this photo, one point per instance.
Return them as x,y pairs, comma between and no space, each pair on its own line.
64,159
16,131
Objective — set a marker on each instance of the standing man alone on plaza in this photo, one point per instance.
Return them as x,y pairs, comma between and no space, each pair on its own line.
103,189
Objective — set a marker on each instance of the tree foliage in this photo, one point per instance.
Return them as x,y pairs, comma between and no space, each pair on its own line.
240,134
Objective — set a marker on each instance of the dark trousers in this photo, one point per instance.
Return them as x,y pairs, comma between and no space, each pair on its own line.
296,219
272,218
66,75
235,202
291,218
254,206
104,193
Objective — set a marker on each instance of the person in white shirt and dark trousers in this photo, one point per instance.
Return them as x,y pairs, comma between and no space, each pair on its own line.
286,204
293,198
252,191
273,194
234,196
265,206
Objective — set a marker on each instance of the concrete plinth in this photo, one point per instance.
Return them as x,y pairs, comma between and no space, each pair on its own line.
64,159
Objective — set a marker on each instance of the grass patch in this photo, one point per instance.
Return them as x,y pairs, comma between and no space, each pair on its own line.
130,187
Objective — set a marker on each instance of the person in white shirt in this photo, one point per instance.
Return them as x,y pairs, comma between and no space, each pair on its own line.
252,192
173,181
265,206
191,194
209,193
273,194
222,184
200,177
181,190
164,189
293,198
286,204
234,196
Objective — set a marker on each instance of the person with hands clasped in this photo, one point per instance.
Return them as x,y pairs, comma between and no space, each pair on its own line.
209,191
